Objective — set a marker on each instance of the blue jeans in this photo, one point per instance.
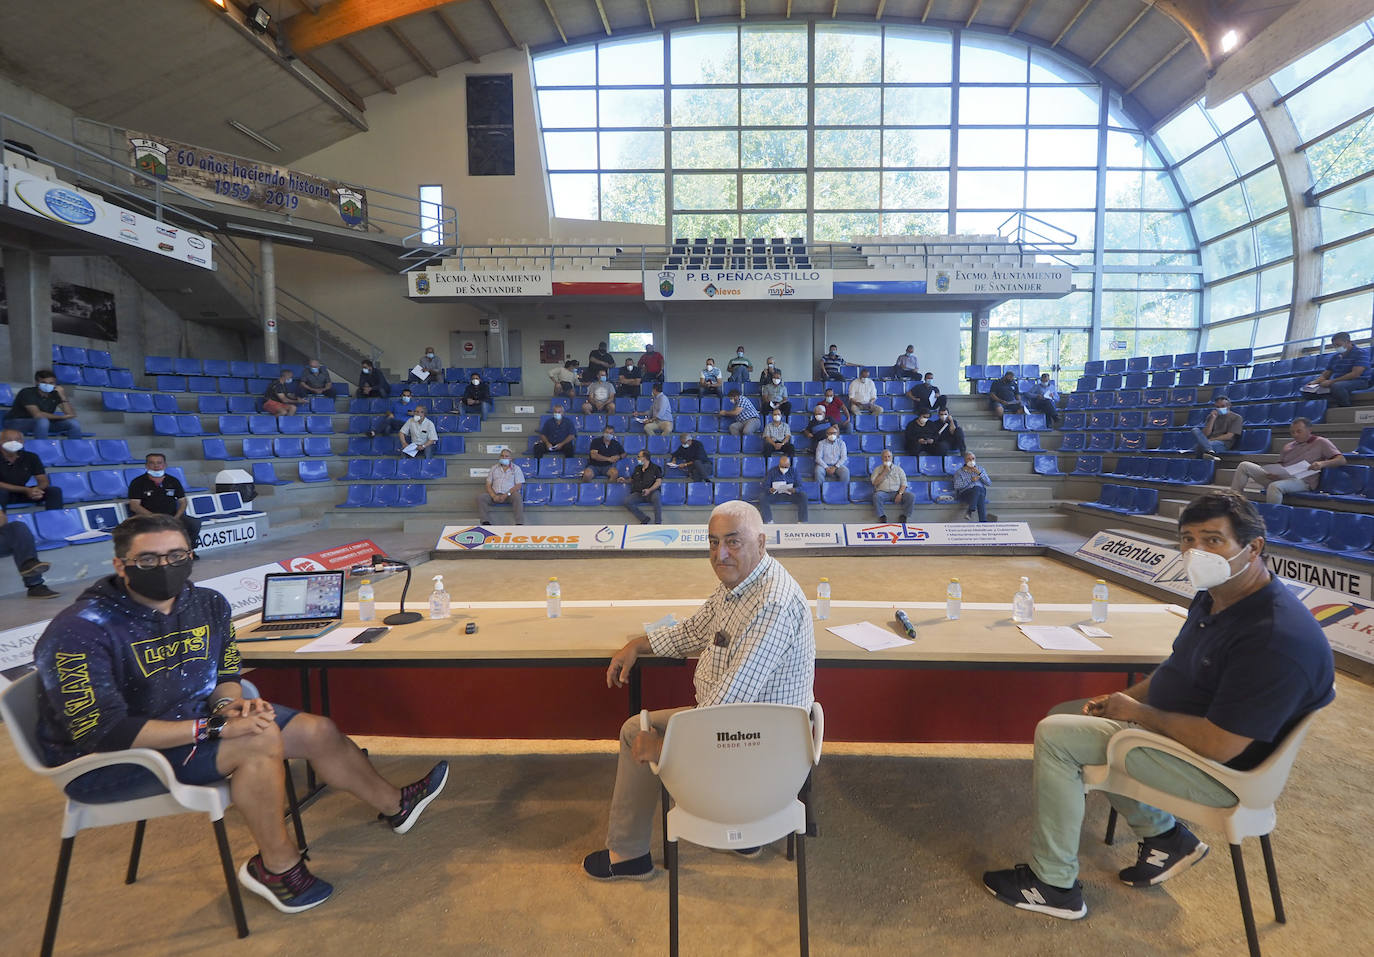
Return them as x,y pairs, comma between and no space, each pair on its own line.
1340,391
741,374
17,540
636,499
1205,444
797,498
975,498
44,428
52,499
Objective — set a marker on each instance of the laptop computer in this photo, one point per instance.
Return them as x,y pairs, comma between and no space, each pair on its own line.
297,605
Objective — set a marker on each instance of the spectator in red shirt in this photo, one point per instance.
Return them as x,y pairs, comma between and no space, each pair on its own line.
835,411
651,363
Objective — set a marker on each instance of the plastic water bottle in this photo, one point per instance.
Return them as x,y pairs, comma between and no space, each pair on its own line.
823,599
954,599
554,596
1023,604
367,602
438,599
1100,601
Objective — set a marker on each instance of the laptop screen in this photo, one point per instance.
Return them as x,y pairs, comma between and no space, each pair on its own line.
302,596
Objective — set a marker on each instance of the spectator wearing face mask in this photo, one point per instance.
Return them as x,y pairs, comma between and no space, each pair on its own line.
926,394
602,456
1043,397
628,382
659,421
43,409
432,365
17,468
739,367
890,488
419,430
775,398
907,366
157,493
863,395
599,363
836,412
390,423
505,482
280,397
777,437
1346,370
600,396
557,434
744,418
690,457
476,395
832,458
708,382
922,435
646,484
971,486
781,485
832,364
651,363
770,372
372,382
818,425
948,434
315,381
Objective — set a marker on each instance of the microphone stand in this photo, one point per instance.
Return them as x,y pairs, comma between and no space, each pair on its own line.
401,617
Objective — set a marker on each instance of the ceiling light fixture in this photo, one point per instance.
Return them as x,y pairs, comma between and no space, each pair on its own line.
258,19
220,4
255,135
1229,41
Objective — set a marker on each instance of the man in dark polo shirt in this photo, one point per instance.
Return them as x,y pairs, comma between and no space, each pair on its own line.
1248,664
557,434
17,466
280,397
157,493
43,409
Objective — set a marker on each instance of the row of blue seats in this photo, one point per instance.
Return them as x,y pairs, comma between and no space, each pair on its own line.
1126,500
1278,368
433,404
978,372
314,446
1346,483
1183,360
1186,378
754,466
1169,471
714,422
188,424
93,376
391,469
1261,413
77,356
692,404
60,452
1284,388
1251,442
205,404
1347,534
227,385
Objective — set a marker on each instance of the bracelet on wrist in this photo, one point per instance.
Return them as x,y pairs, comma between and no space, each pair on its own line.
201,734
220,704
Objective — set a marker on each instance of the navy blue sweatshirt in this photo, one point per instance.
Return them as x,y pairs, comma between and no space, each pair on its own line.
108,664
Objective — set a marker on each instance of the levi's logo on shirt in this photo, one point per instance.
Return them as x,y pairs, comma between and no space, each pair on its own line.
171,651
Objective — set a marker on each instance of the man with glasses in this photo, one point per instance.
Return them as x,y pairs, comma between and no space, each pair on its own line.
145,659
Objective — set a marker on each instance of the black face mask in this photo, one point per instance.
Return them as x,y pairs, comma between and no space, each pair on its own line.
161,583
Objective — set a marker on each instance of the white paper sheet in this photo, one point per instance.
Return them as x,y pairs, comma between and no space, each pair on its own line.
868,636
1058,638
419,373
1092,631
412,449
1296,470
340,639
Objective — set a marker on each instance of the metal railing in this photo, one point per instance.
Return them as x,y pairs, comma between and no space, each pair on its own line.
1026,231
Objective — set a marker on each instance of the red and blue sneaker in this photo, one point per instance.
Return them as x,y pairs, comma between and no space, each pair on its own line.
291,891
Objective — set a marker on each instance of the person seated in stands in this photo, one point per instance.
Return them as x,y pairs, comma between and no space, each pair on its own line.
781,485
889,488
17,467
315,381
1299,466
690,456
476,395
739,367
646,485
922,435
600,396
770,372
390,423
16,540
604,452
832,458
659,421
907,365
431,365
832,364
971,486
744,417
372,382
949,435
557,434
836,412
100,691
1345,371
599,363
420,432
564,378
1043,397
1005,395
43,409
505,483
280,397
708,382
775,397
627,385
863,395
926,394
651,363
157,493
1248,663
777,437
1219,431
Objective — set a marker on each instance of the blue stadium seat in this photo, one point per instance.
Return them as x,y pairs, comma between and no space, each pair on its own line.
1102,400
1254,441
1183,397
265,474
1138,364
75,486
1077,401
200,383
699,493
1108,497
573,467
1191,377
534,493
729,491
1130,419
1088,465
616,494
95,378
1130,441
216,451
452,445
1345,481
407,469
1307,526
939,489
1158,419
80,451
433,469
386,496
726,444
1109,383
231,384
1047,465
165,425
109,401
291,424
1352,534
920,492
562,494
313,471
1115,366
359,445
319,425
1074,442
63,525
1028,442
233,425
259,424
860,492
158,365
1100,441
674,493
1074,421
256,447
357,470
412,495
67,374
359,496
212,404
108,483
384,470
288,447
316,446
728,467
1014,422
322,405
1126,398
242,404
1314,409
388,445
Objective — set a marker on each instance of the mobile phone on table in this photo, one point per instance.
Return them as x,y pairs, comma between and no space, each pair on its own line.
370,635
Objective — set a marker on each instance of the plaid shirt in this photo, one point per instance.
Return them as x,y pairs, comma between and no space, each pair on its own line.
769,652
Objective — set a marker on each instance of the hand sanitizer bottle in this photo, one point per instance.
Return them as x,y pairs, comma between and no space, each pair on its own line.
438,599
1022,604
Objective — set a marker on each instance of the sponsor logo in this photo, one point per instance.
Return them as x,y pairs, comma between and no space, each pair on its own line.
738,739
1130,551
171,651
195,242
150,157
892,533
69,206
166,247
304,564
942,281
190,257
665,284
710,289
469,538
663,536
352,206
167,231
128,219
782,289
604,534
422,284
128,235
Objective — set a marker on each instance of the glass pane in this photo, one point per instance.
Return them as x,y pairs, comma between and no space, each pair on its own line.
1296,74
1048,188
992,221
570,150
705,108
1227,256
847,190
1264,190
774,149
1045,67
1126,149
917,56
564,108
915,224
848,106
1249,149
1342,315
1342,156
705,150
1347,266
705,224
983,190
774,191
1274,238
773,54
632,150
1187,133
1276,287
1177,309
991,147
634,62
992,106
848,147
842,227
1079,224
848,54
915,147
1222,212
1158,343
574,195
1235,336
1118,311
705,192
632,198
1347,211
1207,171
1143,190
1334,98
632,108
1231,299
1272,329
1061,147
1231,114
566,68
1063,106
916,106
987,59
774,224
709,55
915,190
783,106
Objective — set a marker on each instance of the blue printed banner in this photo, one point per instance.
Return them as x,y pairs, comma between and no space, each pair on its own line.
734,284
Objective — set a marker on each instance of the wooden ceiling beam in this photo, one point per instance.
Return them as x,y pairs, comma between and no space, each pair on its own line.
978,5
1021,15
456,37
1120,36
926,12
554,17
882,5
601,9
510,34
1158,63
410,48
339,19
333,79
1072,20
649,6
367,66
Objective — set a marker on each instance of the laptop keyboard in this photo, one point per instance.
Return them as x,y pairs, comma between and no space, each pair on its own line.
292,626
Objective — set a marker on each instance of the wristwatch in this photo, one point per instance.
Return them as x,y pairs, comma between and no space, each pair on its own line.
215,726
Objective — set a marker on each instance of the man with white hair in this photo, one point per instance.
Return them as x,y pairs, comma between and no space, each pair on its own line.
754,642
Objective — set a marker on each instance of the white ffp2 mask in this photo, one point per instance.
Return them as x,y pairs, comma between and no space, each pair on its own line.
1208,569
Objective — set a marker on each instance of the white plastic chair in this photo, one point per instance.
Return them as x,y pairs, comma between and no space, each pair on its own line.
734,772
1252,815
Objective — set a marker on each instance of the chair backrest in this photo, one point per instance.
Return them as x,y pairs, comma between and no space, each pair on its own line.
19,707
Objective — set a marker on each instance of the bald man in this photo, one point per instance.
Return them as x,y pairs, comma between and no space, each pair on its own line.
754,640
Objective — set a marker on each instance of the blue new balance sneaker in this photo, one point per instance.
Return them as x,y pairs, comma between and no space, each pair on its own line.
1019,887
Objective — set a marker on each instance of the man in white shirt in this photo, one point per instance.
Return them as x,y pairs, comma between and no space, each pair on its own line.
832,458
600,396
659,421
863,395
889,487
505,481
420,432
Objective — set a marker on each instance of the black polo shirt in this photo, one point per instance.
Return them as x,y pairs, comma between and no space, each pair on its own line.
603,447
48,402
158,499
24,467
693,451
642,477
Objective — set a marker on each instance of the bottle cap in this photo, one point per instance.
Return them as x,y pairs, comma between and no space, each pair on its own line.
954,581
825,579
553,579
1102,581
367,581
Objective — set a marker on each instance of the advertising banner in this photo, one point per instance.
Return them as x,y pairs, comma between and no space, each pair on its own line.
60,203
222,534
243,589
672,537
442,284
694,537
999,280
333,559
728,284
888,534
1309,571
1140,558
225,178
509,538
1348,624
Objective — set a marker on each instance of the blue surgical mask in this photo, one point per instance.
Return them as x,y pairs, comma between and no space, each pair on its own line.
286,381
558,415
46,387
157,473
505,461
